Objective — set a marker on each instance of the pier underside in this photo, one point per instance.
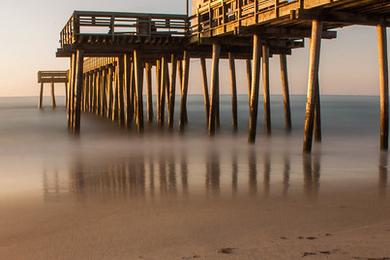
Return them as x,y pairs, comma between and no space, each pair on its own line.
122,47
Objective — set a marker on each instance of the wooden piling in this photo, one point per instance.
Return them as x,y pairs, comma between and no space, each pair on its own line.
163,84
285,92
214,87
266,93
384,86
53,97
206,97
317,115
79,78
172,92
71,92
315,47
121,87
249,76
148,71
158,86
138,69
254,97
127,90
183,105
233,83
40,97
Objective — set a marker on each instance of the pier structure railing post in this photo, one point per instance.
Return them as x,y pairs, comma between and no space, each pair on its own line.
79,82
384,86
266,92
206,96
183,105
285,92
214,88
172,92
254,96
233,83
315,47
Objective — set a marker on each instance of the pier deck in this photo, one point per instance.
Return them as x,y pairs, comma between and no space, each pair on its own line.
124,46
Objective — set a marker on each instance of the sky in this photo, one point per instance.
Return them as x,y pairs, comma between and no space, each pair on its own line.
30,36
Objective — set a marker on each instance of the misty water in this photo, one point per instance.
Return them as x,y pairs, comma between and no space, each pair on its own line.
181,184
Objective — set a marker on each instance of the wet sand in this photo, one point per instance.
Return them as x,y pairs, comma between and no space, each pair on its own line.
113,195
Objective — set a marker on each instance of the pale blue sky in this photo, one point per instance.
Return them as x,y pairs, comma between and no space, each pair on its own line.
30,34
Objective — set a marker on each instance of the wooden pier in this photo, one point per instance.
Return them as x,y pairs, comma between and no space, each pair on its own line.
111,54
52,77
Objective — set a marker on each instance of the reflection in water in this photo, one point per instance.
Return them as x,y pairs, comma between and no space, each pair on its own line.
383,174
311,175
167,175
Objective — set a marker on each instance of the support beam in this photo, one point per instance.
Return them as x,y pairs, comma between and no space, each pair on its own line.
384,86
315,47
317,115
138,69
128,77
121,87
172,92
267,100
214,88
53,97
249,76
164,75
158,86
71,92
233,83
205,89
254,97
79,82
148,71
183,106
285,92
40,97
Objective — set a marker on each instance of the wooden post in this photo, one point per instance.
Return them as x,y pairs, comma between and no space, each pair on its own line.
97,91
40,97
205,89
172,92
254,97
163,84
233,80
71,92
384,86
158,85
249,76
317,114
66,95
148,68
121,87
315,47
110,92
183,105
79,82
285,92
103,92
53,97
267,101
138,70
214,87
130,94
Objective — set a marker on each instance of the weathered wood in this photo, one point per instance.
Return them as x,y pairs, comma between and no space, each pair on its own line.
172,92
149,93
121,88
233,84
66,95
71,92
384,86
249,76
254,97
164,65
40,97
315,47
267,101
138,70
317,115
183,104
206,97
128,117
285,92
158,87
79,79
214,88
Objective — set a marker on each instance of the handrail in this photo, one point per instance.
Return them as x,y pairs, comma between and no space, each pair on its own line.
116,23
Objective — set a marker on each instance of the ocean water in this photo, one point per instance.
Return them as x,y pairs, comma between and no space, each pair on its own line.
49,177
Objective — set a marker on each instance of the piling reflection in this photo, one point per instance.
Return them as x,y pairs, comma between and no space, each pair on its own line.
175,175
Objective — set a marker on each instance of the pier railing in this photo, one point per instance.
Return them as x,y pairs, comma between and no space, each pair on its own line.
116,24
